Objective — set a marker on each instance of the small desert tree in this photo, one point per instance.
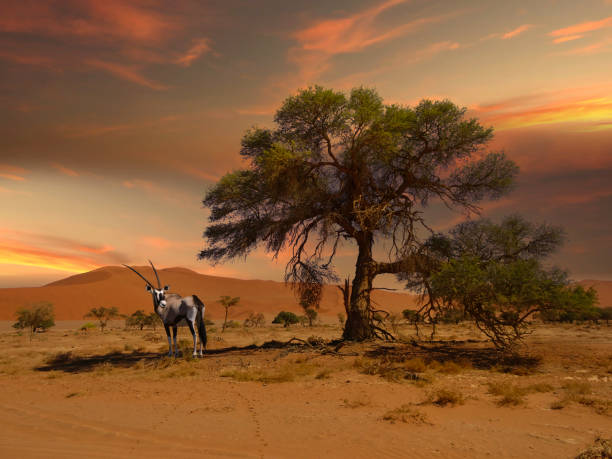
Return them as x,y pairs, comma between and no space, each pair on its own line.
103,315
254,320
228,302
309,302
154,321
138,319
38,316
286,318
311,314
494,273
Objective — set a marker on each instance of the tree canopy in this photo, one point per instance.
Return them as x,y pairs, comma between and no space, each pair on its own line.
349,167
38,316
495,274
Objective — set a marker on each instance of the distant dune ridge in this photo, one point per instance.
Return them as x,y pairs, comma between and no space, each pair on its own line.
74,296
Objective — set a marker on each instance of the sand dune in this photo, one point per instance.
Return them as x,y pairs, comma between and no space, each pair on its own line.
116,286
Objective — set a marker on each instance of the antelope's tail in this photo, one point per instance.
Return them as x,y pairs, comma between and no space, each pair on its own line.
200,320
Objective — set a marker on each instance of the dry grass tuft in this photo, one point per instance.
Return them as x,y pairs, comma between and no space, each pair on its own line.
355,403
509,393
286,373
601,449
444,397
575,389
540,388
579,392
406,414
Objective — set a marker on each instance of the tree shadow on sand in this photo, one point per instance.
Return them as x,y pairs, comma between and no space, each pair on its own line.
479,357
71,363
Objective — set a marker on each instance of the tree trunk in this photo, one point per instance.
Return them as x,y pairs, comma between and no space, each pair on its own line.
358,326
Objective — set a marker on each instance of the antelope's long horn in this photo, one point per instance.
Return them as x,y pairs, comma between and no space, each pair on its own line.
143,278
155,271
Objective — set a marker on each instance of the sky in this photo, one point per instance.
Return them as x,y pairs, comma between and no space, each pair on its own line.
117,116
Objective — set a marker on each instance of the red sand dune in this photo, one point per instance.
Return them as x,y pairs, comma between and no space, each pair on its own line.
117,286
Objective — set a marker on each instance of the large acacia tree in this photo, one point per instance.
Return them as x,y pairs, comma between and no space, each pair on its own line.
348,167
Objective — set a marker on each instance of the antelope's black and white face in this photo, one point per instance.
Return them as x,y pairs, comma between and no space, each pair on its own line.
159,296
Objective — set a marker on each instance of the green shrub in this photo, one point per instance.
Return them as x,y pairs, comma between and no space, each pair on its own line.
286,318
39,316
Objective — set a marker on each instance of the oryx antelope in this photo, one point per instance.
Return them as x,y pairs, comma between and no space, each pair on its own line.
173,308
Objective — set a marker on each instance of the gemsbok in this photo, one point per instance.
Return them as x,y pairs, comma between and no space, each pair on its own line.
172,308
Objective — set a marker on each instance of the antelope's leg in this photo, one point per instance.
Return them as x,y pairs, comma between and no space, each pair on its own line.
193,334
169,340
174,332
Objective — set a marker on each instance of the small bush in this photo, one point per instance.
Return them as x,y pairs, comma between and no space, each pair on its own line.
415,365
88,326
355,403
558,405
39,316
324,374
406,414
601,449
540,388
573,389
443,397
509,394
286,318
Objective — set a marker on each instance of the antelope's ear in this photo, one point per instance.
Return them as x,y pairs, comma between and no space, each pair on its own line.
148,288
166,287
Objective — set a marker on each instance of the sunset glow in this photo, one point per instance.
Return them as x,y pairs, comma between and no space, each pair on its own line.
118,115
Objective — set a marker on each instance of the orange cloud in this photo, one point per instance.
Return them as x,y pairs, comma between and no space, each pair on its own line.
163,243
519,30
121,34
14,173
580,198
594,48
587,112
200,46
11,176
53,252
318,43
107,20
92,130
23,255
65,170
167,194
567,38
351,33
126,72
583,27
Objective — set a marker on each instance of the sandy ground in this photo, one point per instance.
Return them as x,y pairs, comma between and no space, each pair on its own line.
73,394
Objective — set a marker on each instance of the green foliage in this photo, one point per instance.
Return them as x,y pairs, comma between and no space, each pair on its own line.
228,302
410,315
87,326
495,275
103,315
137,320
140,320
311,315
345,166
39,316
286,318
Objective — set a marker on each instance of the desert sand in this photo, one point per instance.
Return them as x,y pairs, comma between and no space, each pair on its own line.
68,393
73,393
